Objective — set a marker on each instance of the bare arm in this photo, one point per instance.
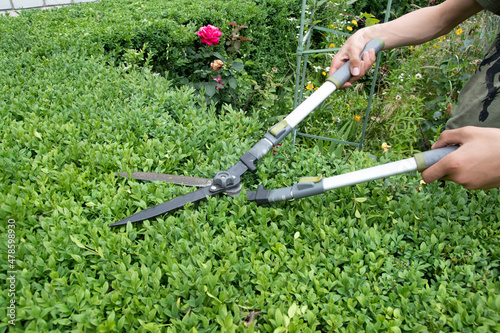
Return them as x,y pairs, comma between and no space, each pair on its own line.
413,28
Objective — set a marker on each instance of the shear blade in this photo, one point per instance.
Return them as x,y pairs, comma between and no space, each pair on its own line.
166,207
231,190
174,179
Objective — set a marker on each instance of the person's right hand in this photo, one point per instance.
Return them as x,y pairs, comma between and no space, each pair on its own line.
351,50
475,165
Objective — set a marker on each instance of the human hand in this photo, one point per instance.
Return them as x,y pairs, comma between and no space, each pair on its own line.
351,51
475,165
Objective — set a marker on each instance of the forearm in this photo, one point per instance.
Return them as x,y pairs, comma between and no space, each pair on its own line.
422,25
411,29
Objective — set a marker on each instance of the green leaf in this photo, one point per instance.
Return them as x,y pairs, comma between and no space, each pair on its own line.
237,66
372,21
151,327
279,317
434,239
77,258
292,310
209,89
77,242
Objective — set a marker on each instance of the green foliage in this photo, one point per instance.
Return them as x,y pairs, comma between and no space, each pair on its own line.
388,255
398,8
159,33
428,82
416,90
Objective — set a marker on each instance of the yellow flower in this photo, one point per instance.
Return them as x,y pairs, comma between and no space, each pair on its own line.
354,22
459,31
310,86
332,26
357,118
332,45
324,73
385,147
349,28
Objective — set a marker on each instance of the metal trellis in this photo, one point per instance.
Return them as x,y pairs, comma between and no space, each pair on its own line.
303,53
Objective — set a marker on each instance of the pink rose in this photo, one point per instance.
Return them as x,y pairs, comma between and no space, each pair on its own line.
209,35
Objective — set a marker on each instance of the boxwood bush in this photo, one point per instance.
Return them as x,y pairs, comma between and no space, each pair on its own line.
388,255
159,34
166,28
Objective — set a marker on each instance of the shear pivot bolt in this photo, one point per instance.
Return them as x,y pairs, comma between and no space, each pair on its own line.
224,179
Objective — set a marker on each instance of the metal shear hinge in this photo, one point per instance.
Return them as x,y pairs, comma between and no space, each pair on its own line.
223,181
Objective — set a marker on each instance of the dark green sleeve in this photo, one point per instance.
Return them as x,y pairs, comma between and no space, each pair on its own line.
491,5
479,101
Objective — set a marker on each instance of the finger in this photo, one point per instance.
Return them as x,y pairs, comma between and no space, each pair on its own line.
451,137
437,171
370,59
442,168
359,71
346,85
356,65
336,63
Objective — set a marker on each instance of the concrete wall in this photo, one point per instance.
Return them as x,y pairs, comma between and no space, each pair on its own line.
11,6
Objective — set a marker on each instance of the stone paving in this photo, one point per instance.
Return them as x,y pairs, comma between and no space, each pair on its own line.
14,6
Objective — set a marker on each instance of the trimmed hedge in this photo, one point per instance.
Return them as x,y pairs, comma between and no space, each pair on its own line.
388,255
165,28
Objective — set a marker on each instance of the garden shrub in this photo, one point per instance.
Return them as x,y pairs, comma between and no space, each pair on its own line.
158,33
168,27
393,255
416,89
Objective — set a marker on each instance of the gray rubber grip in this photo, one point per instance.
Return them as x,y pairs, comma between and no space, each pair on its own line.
343,74
431,157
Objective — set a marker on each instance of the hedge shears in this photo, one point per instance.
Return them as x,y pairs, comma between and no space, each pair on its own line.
229,182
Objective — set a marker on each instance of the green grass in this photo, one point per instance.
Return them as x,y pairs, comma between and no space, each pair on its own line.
388,255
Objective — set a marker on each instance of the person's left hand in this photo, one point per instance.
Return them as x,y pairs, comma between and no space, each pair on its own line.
475,165
351,51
